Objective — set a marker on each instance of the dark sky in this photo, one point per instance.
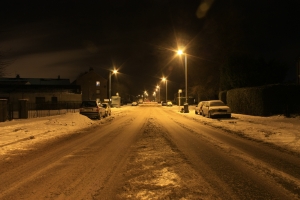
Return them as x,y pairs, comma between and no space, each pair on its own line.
44,39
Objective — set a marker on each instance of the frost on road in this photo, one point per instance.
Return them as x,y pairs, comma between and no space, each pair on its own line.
157,170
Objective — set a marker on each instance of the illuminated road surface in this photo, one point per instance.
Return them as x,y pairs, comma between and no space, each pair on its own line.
151,153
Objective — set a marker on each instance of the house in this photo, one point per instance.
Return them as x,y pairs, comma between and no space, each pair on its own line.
39,90
93,86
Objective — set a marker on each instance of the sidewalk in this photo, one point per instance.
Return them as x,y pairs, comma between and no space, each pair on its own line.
277,130
21,133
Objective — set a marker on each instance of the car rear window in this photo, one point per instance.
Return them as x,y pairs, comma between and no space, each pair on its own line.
89,104
217,104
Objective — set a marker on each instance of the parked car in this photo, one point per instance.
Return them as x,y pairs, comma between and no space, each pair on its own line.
92,109
163,103
134,103
215,108
198,108
169,103
107,108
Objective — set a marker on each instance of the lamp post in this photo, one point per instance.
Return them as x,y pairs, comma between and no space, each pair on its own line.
145,95
165,80
179,91
110,73
180,52
158,89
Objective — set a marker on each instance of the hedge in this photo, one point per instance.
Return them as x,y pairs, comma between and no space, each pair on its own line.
265,100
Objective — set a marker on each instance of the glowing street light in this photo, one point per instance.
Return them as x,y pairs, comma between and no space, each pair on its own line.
180,52
154,95
110,73
145,95
165,80
158,89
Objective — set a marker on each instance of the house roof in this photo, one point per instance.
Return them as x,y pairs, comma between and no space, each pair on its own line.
44,88
86,74
33,81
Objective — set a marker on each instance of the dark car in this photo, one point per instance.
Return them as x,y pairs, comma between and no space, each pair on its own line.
164,103
92,109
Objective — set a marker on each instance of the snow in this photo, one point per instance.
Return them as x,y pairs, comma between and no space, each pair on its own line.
23,133
277,130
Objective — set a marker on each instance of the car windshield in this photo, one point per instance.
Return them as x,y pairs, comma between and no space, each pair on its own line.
104,105
89,104
218,103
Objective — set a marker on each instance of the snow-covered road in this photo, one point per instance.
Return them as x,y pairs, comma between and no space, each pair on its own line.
276,130
148,153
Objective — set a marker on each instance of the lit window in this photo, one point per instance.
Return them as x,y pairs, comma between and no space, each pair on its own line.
97,83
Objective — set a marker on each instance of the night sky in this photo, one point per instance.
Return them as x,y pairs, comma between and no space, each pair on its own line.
45,39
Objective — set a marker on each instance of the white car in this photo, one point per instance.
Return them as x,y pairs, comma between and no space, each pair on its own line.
198,108
107,108
134,103
169,103
92,109
214,108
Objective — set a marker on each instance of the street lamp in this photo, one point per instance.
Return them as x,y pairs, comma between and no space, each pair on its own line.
158,89
180,52
165,80
145,95
110,73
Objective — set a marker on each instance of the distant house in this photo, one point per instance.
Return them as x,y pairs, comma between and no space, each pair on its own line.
93,86
39,90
